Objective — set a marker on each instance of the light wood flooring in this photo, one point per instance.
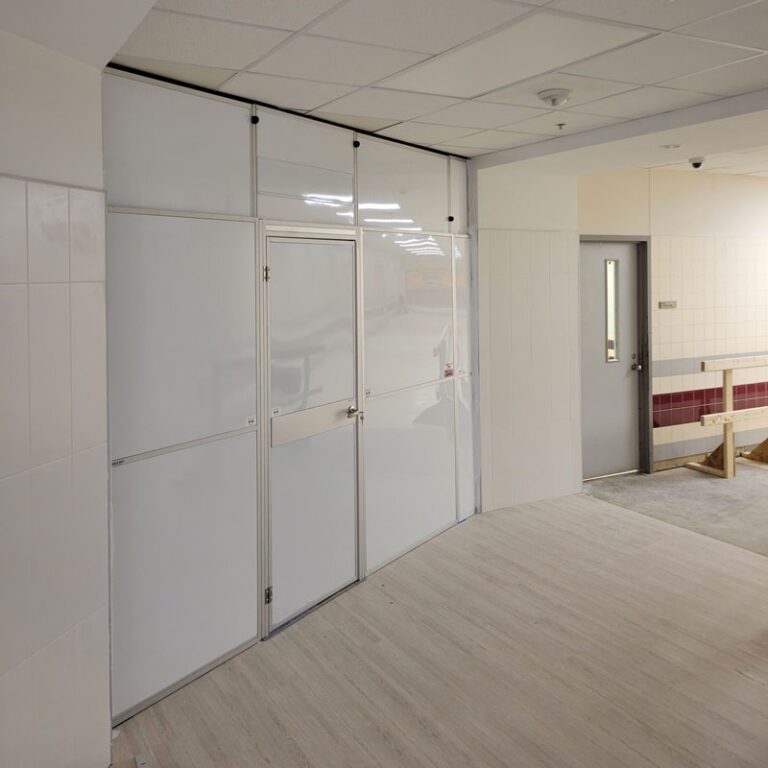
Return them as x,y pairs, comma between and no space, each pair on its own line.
561,634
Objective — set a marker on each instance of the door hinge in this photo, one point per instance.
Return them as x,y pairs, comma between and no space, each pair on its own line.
267,595
267,273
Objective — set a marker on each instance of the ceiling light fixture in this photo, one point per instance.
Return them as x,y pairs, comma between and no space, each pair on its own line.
554,97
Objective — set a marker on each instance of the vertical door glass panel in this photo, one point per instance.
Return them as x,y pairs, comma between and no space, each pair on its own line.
458,195
314,534
181,330
401,188
465,448
176,151
463,274
409,469
305,170
408,310
611,311
312,323
184,564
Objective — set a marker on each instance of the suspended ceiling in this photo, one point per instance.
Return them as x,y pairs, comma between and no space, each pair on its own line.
461,75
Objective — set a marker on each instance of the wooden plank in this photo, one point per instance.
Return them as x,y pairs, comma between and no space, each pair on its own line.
705,468
729,444
562,634
731,363
733,417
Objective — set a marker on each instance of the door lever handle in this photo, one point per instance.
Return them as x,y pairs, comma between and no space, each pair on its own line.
352,412
637,367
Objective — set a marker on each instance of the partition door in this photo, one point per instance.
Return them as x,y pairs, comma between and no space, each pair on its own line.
314,422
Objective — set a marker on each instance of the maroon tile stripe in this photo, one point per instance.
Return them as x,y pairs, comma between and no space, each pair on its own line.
688,407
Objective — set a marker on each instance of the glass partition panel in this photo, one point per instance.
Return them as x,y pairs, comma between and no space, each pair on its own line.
408,310
611,311
305,170
401,188
458,195
463,274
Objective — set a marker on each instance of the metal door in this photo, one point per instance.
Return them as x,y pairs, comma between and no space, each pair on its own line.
313,343
610,358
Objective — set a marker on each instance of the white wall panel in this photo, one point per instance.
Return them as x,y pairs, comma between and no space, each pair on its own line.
305,170
171,150
314,533
410,469
463,276
181,314
458,190
401,188
408,309
184,567
465,448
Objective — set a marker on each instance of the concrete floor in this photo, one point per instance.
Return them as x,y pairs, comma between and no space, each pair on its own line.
734,511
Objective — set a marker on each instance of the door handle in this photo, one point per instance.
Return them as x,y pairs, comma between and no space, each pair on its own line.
637,367
352,412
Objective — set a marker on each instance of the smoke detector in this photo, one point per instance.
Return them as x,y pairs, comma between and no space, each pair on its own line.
554,97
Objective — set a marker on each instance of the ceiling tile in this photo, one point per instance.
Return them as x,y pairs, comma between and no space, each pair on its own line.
287,92
480,114
424,133
335,61
453,149
746,26
355,121
658,14
208,77
264,13
574,122
741,77
645,101
583,90
378,102
660,58
431,26
529,47
499,139
192,40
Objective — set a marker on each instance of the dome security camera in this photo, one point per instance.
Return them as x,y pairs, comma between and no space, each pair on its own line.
696,162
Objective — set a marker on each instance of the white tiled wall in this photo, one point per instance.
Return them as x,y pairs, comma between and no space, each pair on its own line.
54,669
529,365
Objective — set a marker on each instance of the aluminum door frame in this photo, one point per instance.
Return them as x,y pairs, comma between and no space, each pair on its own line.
270,230
644,332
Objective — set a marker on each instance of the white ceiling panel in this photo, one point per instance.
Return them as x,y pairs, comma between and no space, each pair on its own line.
499,139
192,40
480,114
583,90
355,121
431,26
335,61
742,77
529,47
397,105
208,77
648,100
425,133
263,13
745,26
659,14
571,122
455,149
660,58
287,92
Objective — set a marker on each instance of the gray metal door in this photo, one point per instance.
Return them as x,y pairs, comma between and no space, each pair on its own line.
610,358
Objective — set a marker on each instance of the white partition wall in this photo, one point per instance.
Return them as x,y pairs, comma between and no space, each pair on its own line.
290,369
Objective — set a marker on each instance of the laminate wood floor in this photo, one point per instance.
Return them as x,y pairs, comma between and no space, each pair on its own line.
561,634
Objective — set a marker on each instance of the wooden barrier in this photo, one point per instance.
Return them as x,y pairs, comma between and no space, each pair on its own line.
722,461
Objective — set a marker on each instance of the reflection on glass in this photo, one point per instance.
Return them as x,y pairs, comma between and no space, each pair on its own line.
611,311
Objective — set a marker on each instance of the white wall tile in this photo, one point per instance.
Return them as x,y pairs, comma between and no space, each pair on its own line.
48,234
92,726
89,533
13,231
50,372
14,379
18,724
86,235
89,370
